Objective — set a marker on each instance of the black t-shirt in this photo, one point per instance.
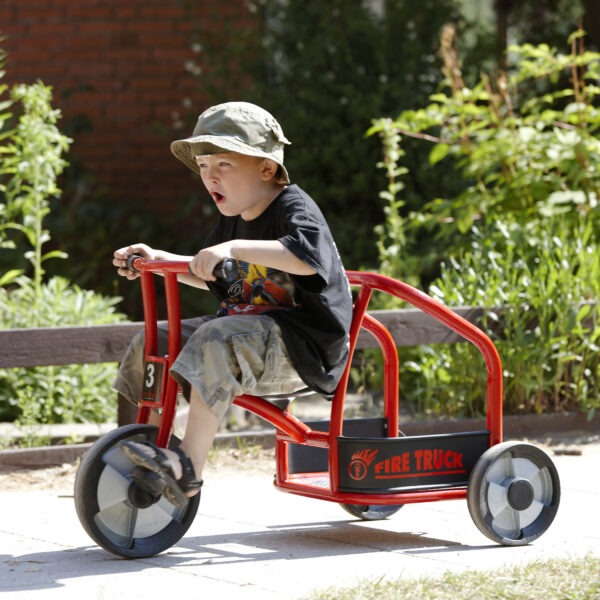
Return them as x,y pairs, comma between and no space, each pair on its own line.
315,311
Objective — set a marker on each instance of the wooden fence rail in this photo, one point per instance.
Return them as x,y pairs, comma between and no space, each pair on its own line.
35,347
107,343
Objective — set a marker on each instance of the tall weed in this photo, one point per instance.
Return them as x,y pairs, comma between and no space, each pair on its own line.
523,233
31,160
548,333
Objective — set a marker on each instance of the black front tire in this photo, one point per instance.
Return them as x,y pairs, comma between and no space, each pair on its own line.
118,515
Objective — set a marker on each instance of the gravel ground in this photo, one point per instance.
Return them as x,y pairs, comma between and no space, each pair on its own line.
61,479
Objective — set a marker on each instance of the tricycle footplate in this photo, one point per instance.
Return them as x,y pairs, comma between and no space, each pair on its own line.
308,459
417,462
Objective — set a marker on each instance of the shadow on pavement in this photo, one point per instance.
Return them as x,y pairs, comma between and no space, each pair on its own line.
45,570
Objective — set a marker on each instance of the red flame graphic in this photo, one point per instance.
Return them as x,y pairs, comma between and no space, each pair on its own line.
366,455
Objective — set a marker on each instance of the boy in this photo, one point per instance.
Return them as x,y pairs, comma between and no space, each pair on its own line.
282,325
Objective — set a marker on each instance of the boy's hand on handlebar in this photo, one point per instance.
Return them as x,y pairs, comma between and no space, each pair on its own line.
204,263
120,258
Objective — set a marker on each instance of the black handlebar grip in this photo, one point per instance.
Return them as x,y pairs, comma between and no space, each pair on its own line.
226,270
130,260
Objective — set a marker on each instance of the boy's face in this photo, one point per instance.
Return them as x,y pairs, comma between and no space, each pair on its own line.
239,184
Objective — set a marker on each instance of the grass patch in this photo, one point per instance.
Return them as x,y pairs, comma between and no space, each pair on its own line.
561,579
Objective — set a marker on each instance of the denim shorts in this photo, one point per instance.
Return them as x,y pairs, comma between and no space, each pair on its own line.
221,357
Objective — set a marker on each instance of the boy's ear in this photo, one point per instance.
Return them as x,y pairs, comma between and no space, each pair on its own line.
268,169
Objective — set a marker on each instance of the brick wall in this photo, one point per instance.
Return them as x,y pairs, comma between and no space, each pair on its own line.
121,65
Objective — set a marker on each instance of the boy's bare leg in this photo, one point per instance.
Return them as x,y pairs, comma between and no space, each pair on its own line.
154,418
200,431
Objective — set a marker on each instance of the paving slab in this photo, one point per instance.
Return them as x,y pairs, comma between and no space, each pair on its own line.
251,541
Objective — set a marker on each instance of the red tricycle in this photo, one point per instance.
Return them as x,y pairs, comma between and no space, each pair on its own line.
366,465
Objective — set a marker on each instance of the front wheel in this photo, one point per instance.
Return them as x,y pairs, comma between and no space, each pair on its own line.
117,514
371,512
513,493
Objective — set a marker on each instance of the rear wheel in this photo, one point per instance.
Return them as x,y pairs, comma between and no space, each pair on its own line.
371,512
513,493
116,513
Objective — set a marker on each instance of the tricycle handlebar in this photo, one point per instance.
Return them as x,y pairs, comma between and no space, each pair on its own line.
226,270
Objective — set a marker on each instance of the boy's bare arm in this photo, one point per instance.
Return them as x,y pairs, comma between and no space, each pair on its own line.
270,253
121,255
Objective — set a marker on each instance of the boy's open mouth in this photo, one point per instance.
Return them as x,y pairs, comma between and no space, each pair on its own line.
218,197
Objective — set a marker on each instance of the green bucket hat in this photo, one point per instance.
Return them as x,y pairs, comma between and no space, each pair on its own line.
234,127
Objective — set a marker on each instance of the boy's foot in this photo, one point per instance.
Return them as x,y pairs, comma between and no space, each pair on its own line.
163,471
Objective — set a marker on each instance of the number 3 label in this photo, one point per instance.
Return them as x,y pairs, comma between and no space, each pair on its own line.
153,381
149,383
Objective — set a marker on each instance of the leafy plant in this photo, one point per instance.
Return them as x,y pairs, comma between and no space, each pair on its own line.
65,394
521,234
521,146
548,335
29,419
30,163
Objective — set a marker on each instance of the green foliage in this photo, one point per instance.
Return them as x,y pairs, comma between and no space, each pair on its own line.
391,239
521,146
553,579
30,418
65,394
30,163
324,69
522,234
548,335
61,304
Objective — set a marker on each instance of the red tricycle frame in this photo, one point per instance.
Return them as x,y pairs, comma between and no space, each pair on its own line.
291,430
366,465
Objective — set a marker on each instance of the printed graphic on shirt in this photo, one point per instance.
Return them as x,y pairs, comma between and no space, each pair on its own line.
257,289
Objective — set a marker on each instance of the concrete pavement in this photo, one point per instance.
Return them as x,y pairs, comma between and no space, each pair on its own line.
250,541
